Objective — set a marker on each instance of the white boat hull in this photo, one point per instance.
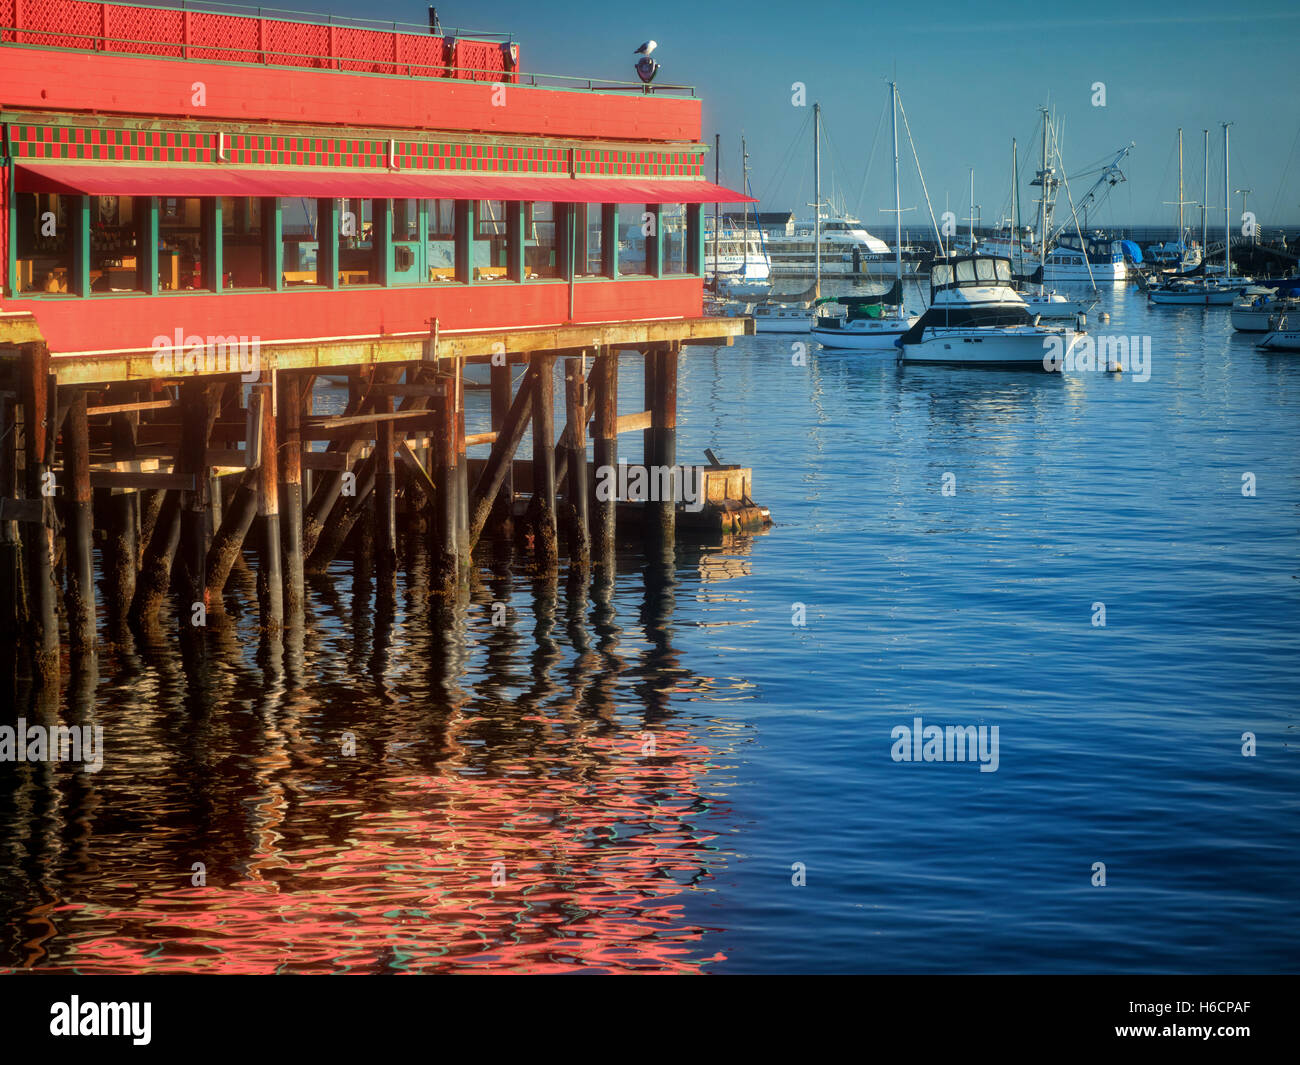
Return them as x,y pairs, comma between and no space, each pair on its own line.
871,335
1282,340
1194,299
1017,346
1100,272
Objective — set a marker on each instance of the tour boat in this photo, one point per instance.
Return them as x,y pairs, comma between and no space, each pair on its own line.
977,318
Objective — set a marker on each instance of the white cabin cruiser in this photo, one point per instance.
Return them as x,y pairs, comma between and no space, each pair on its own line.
976,318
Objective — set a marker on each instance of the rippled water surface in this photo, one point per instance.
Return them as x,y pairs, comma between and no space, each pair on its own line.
625,778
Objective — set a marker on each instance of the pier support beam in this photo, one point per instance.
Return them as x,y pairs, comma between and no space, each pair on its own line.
229,541
38,539
575,444
543,383
270,575
605,454
80,525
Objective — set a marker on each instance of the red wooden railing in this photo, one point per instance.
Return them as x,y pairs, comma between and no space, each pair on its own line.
132,29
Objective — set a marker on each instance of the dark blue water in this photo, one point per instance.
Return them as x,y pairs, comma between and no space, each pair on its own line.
523,750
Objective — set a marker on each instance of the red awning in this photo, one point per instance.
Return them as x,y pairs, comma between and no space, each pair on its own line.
109,180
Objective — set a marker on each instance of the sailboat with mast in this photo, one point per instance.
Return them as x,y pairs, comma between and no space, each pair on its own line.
1206,291
869,323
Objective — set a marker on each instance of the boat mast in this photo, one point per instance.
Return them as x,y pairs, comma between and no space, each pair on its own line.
1180,184
972,210
817,197
744,269
898,203
1205,185
1043,209
1227,210
717,207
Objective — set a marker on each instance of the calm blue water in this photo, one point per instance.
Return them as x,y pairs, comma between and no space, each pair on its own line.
526,745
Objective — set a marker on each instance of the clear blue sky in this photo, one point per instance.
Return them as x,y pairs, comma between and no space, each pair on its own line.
971,78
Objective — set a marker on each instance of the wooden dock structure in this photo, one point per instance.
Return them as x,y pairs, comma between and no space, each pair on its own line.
205,210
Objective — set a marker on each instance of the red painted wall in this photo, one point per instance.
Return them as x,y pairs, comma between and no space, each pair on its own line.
73,81
131,323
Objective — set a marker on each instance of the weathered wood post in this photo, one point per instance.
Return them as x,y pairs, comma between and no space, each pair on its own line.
445,568
575,494
545,545
270,578
605,454
38,539
122,554
80,592
662,514
200,402
290,405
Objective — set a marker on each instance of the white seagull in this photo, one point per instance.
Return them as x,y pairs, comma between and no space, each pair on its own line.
646,48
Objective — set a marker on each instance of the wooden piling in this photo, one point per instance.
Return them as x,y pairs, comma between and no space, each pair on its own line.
122,546
291,397
575,444
156,568
502,520
38,539
270,574
605,456
662,514
236,521
445,568
385,494
79,522
497,470
543,383
200,402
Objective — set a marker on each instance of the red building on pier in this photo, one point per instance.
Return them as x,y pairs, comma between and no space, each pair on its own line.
298,180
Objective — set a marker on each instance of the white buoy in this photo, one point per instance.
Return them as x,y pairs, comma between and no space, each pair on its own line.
1103,318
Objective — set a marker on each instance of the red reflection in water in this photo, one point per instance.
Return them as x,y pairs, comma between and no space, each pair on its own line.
596,868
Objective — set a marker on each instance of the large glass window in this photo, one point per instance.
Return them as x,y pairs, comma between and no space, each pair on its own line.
541,251
440,239
406,242
114,241
488,248
672,235
357,244
242,259
590,259
298,241
634,219
42,242
180,244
